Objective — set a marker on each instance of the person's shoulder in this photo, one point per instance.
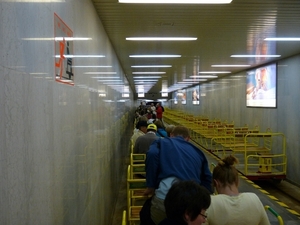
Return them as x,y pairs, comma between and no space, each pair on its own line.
140,137
250,195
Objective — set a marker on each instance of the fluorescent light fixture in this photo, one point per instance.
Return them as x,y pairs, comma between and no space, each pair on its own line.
204,76
187,82
214,72
155,56
106,77
148,72
230,65
146,77
117,81
110,83
101,73
151,66
145,81
255,56
35,1
283,39
195,80
161,39
177,1
91,66
81,56
116,85
72,38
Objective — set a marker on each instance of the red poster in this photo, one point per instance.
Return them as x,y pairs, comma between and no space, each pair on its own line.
63,39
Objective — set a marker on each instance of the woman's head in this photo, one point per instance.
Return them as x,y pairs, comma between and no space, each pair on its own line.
186,202
225,172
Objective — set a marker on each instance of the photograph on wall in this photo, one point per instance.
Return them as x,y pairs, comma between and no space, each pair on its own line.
175,98
195,95
183,96
261,87
63,40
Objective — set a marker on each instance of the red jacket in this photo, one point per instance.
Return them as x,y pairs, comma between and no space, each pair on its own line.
159,112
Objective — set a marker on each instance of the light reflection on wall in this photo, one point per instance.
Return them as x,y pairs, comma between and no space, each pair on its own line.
256,45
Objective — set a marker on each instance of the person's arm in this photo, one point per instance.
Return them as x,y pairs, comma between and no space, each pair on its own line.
152,164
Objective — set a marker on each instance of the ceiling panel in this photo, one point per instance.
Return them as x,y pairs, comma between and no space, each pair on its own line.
222,30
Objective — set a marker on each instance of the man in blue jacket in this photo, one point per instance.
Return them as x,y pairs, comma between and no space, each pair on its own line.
171,159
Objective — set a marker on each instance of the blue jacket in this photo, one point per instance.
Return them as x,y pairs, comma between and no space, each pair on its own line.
161,132
175,157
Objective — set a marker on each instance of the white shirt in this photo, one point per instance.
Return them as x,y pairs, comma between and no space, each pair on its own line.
136,135
243,209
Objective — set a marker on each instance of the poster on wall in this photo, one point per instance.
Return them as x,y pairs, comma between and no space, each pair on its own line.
175,98
183,96
63,37
261,87
195,95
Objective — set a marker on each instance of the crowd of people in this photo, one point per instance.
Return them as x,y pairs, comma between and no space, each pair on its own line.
181,185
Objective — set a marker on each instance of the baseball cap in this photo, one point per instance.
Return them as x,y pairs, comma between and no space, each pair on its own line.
152,127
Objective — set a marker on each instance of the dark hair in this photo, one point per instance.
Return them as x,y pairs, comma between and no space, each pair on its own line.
186,197
159,124
181,131
225,171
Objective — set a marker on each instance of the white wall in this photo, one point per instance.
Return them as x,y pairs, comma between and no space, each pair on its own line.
59,144
226,100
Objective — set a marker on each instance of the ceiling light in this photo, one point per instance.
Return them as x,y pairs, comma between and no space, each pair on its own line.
91,66
253,56
101,73
151,66
161,39
230,65
58,39
204,76
106,77
35,1
116,81
145,81
148,72
81,56
72,38
215,72
177,1
282,39
155,56
145,77
195,80
187,82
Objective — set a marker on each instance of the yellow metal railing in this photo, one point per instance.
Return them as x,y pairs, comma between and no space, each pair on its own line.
280,220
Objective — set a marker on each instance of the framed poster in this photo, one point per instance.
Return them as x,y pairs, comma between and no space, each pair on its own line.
261,90
63,41
195,95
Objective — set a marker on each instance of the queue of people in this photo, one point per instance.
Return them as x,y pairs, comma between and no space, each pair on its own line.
181,185
188,203
152,112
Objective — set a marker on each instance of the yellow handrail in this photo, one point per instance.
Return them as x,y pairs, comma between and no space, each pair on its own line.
275,214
